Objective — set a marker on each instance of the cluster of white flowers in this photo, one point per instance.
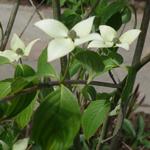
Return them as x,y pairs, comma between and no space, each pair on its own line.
64,40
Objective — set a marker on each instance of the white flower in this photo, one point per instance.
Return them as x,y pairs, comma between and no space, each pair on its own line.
18,49
109,38
64,40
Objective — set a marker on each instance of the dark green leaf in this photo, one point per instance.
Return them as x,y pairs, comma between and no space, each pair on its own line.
129,129
23,118
91,61
61,120
74,67
23,70
18,84
70,18
112,9
89,92
94,116
19,103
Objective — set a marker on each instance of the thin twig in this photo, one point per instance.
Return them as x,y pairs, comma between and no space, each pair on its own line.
10,25
30,19
36,9
141,39
55,83
127,146
112,77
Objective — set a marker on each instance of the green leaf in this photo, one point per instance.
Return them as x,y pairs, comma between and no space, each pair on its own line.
129,129
146,143
91,61
126,15
94,116
89,92
140,126
4,145
70,18
61,121
44,68
74,67
112,9
23,70
5,89
23,118
101,7
18,84
21,144
20,102
4,60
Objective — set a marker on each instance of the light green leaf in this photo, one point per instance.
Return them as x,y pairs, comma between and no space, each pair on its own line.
21,144
61,120
4,60
94,116
45,68
126,15
5,89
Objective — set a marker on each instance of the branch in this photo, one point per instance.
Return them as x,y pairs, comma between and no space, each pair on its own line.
36,9
143,62
141,39
56,83
10,25
56,9
136,60
30,19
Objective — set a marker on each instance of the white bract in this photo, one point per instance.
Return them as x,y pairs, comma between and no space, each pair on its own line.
64,40
109,38
17,49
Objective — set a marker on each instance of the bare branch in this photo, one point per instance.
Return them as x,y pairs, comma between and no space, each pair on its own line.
56,83
10,25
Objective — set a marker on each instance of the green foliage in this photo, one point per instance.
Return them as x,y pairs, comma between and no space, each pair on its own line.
44,68
61,120
35,114
94,116
91,61
5,89
137,135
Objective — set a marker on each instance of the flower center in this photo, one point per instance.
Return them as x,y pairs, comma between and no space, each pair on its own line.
19,51
116,40
72,34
